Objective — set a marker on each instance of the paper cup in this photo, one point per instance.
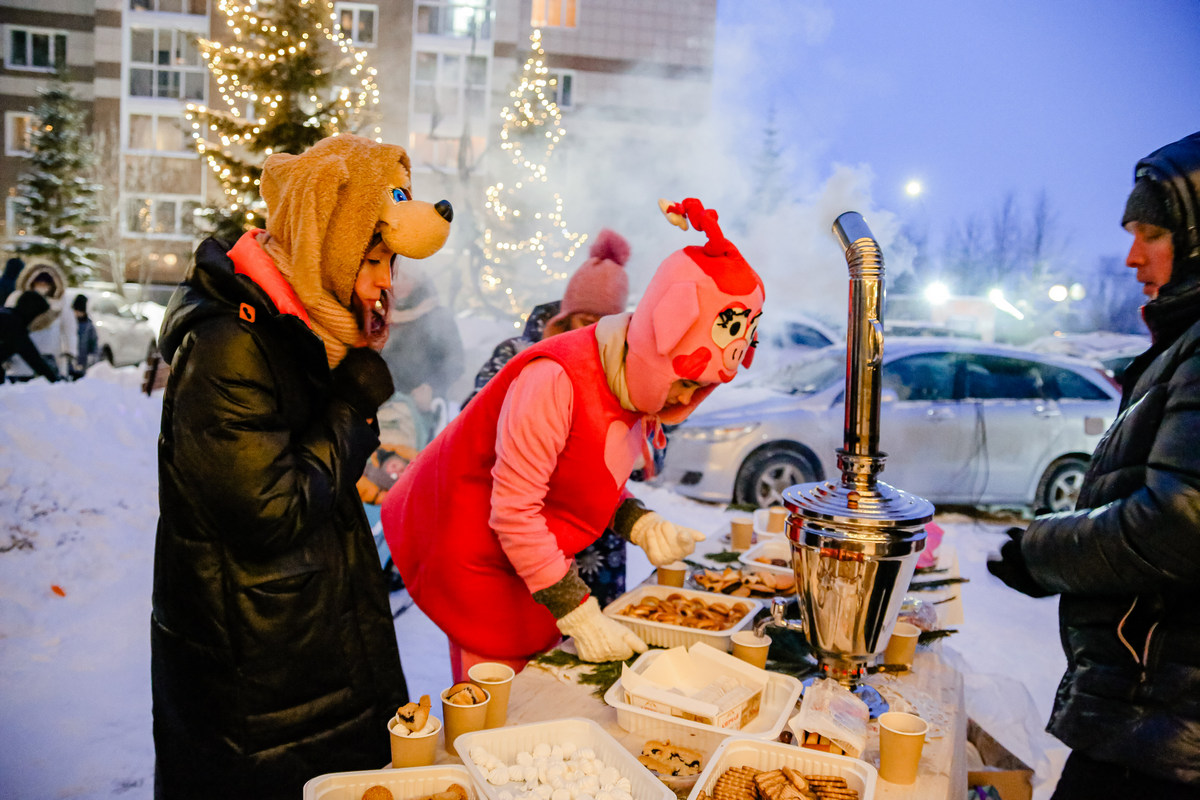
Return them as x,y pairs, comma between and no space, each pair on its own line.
901,738
750,648
673,574
413,750
497,679
776,519
903,645
458,720
741,533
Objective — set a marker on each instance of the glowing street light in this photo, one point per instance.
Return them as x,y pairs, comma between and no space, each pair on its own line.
999,301
1058,293
913,188
937,293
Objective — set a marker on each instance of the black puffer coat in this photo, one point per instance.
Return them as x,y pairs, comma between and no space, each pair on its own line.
1127,561
274,655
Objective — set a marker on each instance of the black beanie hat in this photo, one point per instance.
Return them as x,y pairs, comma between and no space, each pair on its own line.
80,303
1150,202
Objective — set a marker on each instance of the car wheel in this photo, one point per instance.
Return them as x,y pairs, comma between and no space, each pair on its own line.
1059,488
767,473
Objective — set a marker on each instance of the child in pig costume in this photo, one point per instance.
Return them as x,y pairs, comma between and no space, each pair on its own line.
485,523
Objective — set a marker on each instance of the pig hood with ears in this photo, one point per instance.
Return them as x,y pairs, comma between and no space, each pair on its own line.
697,320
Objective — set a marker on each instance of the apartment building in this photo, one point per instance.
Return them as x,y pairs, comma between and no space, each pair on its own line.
635,69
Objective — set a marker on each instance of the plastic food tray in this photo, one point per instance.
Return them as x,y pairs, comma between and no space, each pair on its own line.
663,634
505,743
404,784
736,752
775,547
777,707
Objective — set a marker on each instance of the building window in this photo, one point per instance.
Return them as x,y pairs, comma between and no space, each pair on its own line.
466,19
171,6
160,133
553,14
562,89
18,133
357,22
41,49
13,224
162,216
165,62
451,91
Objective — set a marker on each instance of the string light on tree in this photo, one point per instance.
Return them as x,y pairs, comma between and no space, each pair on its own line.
289,78
526,244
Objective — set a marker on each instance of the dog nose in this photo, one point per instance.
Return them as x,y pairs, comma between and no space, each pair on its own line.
444,208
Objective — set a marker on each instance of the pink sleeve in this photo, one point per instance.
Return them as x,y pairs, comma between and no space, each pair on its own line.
530,433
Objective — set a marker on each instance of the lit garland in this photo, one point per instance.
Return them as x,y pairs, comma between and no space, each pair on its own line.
277,67
530,109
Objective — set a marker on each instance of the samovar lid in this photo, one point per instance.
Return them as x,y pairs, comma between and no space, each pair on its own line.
879,507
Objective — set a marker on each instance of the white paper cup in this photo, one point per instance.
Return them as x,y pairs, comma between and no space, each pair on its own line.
901,739
902,647
750,648
673,574
497,679
413,750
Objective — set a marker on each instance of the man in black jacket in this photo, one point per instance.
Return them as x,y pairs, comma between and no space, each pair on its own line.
14,334
273,651
1126,562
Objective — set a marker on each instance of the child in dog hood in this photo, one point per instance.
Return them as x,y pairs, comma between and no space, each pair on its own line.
485,523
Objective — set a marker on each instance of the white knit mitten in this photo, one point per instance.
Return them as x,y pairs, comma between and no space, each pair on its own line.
663,541
598,638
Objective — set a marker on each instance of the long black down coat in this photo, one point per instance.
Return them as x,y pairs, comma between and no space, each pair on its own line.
274,656
1127,561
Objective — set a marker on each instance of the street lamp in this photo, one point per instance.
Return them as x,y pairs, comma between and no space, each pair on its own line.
1058,293
913,188
937,293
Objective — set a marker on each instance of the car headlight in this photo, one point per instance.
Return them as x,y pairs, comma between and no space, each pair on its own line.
719,433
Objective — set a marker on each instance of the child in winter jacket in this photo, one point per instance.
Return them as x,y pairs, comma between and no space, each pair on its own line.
485,524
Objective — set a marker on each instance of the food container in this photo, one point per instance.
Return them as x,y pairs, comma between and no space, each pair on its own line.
761,517
662,634
738,751
506,743
778,703
777,547
404,784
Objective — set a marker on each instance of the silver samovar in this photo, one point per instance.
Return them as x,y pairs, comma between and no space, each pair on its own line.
855,543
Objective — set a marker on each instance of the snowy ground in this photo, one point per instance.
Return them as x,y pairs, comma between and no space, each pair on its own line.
78,508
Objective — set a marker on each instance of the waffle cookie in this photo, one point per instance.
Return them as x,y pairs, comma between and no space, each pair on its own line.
668,759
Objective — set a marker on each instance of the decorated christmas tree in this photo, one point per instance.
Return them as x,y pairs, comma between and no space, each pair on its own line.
526,245
287,78
58,207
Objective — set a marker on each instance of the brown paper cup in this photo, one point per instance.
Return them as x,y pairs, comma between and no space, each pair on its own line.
750,648
673,574
741,533
901,738
903,645
458,720
413,750
776,519
497,679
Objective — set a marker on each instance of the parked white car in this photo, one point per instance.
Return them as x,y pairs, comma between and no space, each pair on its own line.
961,421
125,335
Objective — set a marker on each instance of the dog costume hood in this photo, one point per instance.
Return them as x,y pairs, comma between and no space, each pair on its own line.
322,209
697,320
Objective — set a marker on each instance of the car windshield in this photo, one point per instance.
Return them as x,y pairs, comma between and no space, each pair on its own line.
808,375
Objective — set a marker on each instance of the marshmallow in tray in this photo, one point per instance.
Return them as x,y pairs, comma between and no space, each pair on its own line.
558,772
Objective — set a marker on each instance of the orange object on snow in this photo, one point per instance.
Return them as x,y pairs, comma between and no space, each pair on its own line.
58,590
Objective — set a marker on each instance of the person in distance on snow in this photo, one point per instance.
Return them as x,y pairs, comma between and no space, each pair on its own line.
14,334
485,523
273,651
1126,562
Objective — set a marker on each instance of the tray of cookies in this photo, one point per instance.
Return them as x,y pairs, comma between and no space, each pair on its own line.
561,759
446,782
777,705
752,769
665,616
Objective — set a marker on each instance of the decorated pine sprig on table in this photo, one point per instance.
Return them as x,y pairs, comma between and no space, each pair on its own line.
938,583
928,637
601,676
